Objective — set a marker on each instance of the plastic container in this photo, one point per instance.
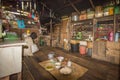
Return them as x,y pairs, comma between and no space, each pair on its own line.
90,13
41,42
89,52
82,49
106,11
98,11
79,35
75,47
83,43
89,44
83,15
111,10
117,9
21,23
69,63
116,37
111,36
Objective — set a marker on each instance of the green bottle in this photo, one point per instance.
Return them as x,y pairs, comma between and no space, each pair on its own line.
117,10
79,35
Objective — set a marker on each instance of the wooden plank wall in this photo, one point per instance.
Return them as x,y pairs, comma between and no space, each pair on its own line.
60,33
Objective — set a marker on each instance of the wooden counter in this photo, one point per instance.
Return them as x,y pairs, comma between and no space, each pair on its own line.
10,57
12,43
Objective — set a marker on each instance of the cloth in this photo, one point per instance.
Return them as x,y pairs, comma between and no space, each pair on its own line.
28,50
31,47
34,48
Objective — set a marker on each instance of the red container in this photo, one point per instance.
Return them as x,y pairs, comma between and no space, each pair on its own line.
82,49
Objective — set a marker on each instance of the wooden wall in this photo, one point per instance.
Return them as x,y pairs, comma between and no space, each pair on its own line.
60,33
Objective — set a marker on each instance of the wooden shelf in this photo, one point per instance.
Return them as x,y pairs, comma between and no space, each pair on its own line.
87,21
105,18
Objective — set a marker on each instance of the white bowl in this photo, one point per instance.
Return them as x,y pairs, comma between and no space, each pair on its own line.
57,65
60,58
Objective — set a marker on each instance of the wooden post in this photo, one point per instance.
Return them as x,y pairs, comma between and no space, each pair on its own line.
59,33
114,24
0,3
51,28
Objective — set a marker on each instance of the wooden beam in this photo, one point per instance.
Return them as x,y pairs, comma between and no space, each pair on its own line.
67,5
45,6
74,7
51,29
91,2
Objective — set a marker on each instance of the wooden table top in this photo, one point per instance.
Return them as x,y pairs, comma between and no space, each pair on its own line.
77,71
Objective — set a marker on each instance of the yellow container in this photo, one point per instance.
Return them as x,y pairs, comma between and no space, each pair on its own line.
111,10
89,44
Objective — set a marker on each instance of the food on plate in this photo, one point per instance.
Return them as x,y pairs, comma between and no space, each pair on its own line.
65,70
49,67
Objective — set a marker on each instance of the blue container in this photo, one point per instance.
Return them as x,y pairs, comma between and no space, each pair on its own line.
89,52
21,23
75,47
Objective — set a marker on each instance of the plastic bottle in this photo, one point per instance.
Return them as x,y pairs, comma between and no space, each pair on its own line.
69,63
111,36
116,37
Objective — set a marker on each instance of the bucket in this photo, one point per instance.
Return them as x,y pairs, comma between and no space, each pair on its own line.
82,49
75,47
89,52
